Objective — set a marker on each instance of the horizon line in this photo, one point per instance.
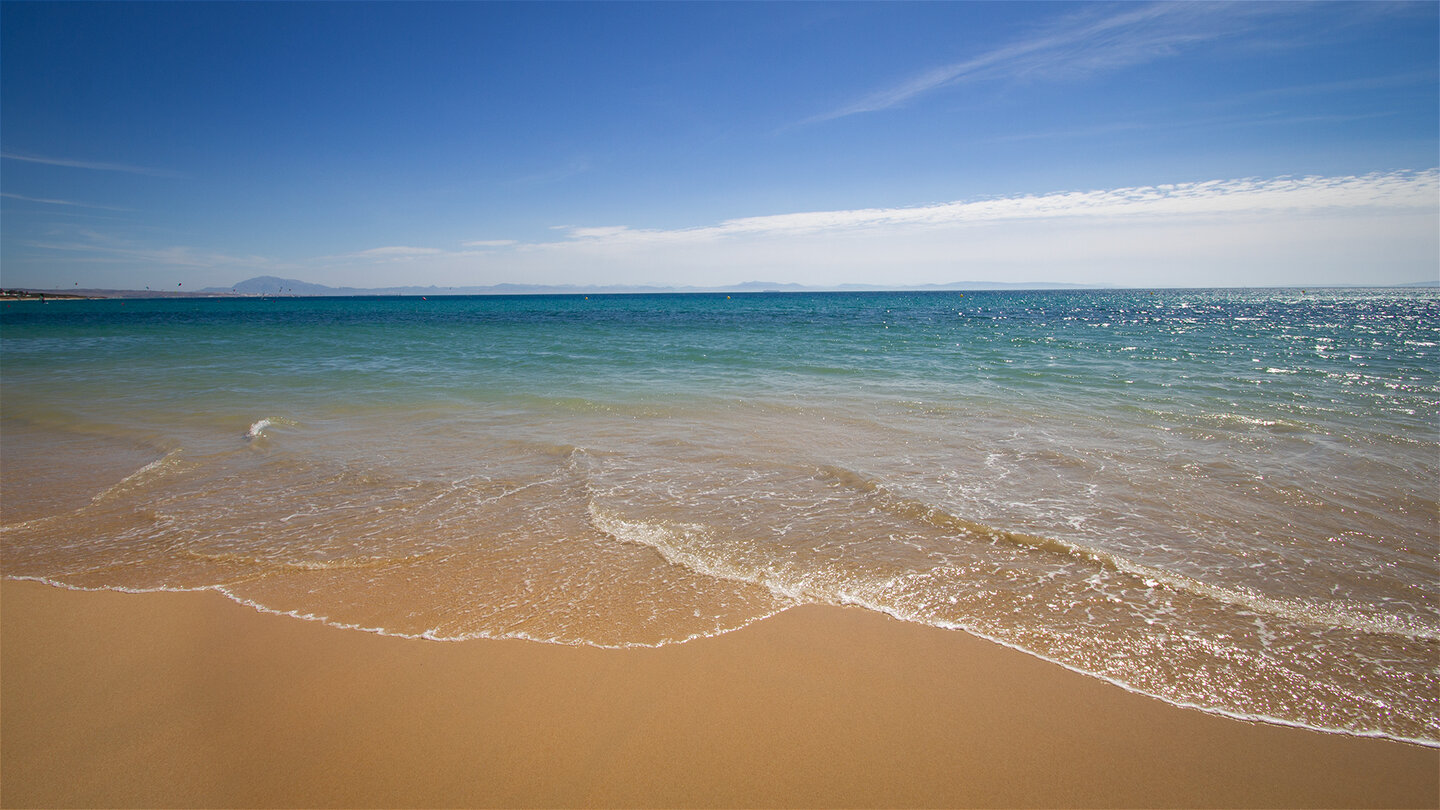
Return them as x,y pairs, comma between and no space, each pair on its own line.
743,288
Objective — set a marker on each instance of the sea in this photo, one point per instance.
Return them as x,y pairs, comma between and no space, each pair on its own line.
1224,499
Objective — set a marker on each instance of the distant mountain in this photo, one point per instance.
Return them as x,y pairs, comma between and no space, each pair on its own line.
979,285
764,286
275,286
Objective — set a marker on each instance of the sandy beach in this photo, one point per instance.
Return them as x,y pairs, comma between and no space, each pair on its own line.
188,699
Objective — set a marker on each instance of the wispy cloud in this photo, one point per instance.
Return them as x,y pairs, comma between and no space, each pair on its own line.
88,164
92,246
1093,41
1378,228
1238,110
49,201
1250,196
411,254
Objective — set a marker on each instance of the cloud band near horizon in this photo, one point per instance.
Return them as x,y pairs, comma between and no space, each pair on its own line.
1349,229
1378,227
1387,191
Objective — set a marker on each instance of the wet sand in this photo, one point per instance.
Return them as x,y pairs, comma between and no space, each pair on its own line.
156,700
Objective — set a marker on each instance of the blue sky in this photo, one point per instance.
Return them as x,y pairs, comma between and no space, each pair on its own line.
378,144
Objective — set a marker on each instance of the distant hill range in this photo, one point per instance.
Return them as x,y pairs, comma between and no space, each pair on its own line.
271,285
274,286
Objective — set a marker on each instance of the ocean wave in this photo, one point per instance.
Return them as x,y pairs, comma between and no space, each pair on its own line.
169,463
258,427
1338,615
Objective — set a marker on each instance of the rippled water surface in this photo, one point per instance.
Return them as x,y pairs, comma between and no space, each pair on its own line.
1225,499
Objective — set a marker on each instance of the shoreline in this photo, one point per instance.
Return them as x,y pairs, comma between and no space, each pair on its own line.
1251,719
190,699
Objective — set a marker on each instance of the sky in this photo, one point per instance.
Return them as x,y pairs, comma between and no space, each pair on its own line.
191,145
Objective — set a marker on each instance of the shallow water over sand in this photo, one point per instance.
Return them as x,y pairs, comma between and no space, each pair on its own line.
1225,499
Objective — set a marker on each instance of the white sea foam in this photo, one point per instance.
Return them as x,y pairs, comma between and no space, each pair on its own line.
260,426
1251,717
159,466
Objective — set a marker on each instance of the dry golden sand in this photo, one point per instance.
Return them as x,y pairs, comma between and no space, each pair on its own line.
112,699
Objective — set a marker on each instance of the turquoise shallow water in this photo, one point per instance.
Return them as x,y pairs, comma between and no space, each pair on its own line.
1225,499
